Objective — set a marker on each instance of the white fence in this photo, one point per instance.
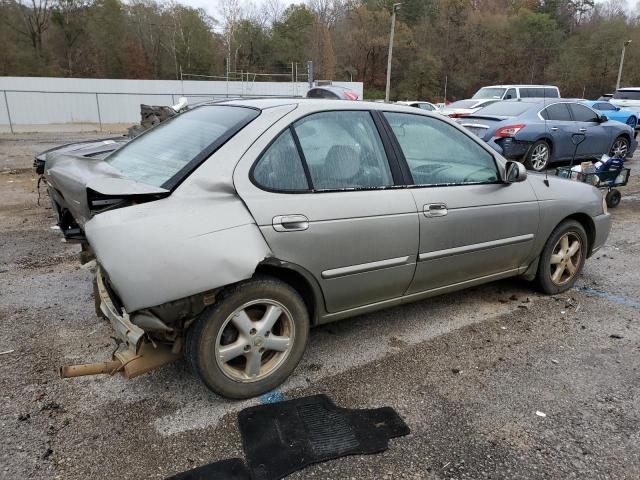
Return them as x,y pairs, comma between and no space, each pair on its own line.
31,104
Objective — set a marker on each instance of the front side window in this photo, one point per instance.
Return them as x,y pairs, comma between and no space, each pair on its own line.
173,148
440,154
280,167
489,92
426,106
582,114
511,93
604,106
343,150
557,111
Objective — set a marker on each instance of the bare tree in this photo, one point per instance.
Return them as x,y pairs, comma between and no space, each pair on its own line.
35,20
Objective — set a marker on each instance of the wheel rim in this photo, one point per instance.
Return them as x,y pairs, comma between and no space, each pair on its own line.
566,258
254,340
620,148
539,156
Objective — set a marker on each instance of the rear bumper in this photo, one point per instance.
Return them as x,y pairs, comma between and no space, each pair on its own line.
124,330
602,224
510,148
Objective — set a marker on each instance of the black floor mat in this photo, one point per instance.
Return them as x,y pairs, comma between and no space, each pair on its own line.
231,469
284,437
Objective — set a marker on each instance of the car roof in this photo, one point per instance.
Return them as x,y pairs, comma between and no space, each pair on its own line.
319,103
519,86
628,89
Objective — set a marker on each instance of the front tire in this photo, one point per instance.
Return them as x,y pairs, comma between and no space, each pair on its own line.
562,258
251,339
538,156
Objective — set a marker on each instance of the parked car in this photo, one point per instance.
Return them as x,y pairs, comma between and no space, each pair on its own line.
509,92
614,113
227,231
538,132
628,98
462,108
420,104
333,92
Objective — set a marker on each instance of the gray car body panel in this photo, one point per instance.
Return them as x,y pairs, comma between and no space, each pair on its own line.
361,249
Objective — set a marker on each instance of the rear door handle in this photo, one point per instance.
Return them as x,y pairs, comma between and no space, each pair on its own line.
435,210
554,129
582,129
290,223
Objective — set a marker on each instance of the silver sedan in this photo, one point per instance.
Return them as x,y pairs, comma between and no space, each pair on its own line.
225,233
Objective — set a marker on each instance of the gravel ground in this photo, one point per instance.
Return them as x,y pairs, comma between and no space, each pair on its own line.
467,371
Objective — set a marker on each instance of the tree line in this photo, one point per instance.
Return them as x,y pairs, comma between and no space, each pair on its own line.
450,47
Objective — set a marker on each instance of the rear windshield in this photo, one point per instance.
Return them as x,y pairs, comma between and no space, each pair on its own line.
462,104
505,109
627,95
173,149
487,92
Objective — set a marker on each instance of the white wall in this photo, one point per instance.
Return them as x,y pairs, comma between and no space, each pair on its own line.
41,103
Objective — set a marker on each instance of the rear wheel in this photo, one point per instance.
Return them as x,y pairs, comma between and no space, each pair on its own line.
632,122
613,198
562,258
620,147
538,156
251,339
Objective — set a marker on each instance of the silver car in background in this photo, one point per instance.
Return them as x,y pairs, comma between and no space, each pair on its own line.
225,233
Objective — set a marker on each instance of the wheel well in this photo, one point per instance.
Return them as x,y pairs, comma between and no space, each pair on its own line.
588,225
298,282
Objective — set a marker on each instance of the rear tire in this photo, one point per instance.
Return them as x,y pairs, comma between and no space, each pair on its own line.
562,258
538,156
250,340
613,198
620,147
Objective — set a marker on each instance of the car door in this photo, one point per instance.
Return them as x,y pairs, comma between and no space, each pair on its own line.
559,125
322,194
472,226
596,141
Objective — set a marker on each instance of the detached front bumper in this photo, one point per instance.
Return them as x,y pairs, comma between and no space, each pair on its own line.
602,224
125,331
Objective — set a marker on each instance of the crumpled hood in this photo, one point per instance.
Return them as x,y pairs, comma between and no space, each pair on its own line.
72,176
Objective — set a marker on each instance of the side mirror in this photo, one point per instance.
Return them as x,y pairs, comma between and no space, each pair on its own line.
515,172
603,118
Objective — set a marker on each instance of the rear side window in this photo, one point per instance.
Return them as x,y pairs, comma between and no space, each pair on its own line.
343,150
280,167
440,154
582,114
627,95
551,93
557,111
532,92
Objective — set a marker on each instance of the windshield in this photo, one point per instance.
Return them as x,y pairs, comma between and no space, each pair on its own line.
463,104
627,95
175,147
489,92
505,109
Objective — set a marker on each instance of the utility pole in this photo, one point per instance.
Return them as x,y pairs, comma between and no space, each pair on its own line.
395,8
624,46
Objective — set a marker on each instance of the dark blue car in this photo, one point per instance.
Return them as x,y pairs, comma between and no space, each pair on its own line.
539,131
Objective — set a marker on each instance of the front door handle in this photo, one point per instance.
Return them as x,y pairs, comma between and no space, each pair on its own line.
435,210
582,129
554,129
290,223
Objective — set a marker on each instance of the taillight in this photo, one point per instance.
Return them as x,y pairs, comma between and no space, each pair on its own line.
457,115
509,130
351,95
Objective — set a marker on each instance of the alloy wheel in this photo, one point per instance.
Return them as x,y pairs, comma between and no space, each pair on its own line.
255,340
620,148
539,156
566,257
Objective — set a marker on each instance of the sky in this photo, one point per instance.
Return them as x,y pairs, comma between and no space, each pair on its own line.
212,7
